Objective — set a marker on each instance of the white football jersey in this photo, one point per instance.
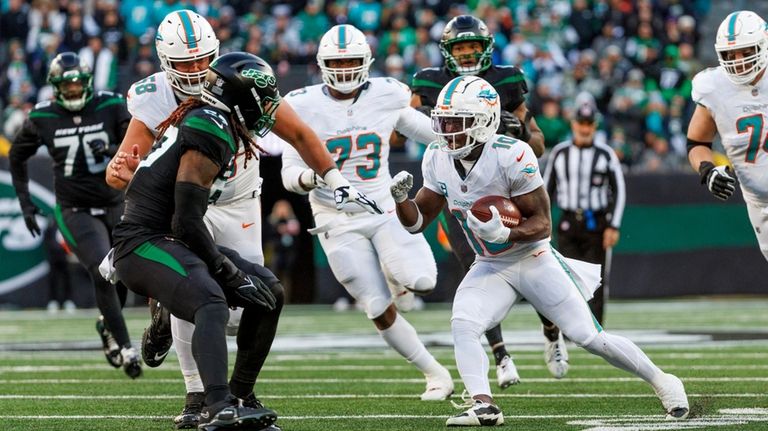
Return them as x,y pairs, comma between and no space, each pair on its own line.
507,167
741,115
357,135
152,100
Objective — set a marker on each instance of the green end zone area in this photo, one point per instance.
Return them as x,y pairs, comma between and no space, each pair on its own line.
330,371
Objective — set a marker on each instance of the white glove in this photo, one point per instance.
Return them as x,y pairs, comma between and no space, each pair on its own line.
345,192
492,231
400,186
310,180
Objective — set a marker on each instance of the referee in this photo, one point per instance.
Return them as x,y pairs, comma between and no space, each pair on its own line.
585,179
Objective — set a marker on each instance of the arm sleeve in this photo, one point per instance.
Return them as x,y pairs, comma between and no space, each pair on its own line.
618,190
293,166
415,125
191,202
25,145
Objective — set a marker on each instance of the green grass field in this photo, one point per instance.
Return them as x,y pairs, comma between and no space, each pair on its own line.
331,371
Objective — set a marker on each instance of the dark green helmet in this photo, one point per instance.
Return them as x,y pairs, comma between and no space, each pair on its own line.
243,84
465,28
67,69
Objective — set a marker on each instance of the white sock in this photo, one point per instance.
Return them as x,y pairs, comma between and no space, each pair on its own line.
471,359
624,354
402,337
182,339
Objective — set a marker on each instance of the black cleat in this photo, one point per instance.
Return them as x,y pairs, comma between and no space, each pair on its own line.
251,401
157,339
190,416
230,415
109,345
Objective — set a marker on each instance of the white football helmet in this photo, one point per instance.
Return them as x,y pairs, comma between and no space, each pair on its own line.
739,31
344,41
467,114
184,35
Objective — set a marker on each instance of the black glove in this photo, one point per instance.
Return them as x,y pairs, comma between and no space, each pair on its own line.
99,149
512,126
719,180
242,290
30,210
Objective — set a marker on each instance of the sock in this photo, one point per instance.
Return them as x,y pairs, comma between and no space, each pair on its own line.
182,338
551,332
499,353
209,347
623,354
402,337
471,359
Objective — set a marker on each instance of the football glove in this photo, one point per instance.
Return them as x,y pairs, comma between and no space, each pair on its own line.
242,290
30,211
400,186
344,192
492,231
514,127
98,147
719,180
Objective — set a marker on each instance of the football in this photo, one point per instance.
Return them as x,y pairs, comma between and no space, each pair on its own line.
509,213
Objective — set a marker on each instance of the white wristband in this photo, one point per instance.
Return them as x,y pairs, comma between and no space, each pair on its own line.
419,221
334,179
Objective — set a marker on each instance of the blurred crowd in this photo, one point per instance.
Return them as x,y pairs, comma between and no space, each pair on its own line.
633,59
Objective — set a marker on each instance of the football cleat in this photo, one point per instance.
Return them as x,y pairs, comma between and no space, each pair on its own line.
131,362
671,392
556,357
439,386
157,338
190,416
109,345
506,373
251,401
229,414
478,414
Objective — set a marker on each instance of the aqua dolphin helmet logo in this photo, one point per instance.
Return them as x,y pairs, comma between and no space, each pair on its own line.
22,255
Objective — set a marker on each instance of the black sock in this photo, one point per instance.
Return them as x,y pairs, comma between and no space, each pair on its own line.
499,353
551,332
209,347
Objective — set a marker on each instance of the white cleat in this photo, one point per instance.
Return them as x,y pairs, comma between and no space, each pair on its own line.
439,386
671,392
556,357
506,373
479,414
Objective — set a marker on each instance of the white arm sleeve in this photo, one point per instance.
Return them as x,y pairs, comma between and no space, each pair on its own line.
415,125
293,167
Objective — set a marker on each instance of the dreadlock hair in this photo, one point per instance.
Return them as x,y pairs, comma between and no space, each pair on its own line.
242,133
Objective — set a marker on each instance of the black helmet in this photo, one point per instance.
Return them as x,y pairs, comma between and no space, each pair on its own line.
244,85
66,68
461,29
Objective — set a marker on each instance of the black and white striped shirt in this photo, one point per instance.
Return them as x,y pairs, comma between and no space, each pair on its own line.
587,178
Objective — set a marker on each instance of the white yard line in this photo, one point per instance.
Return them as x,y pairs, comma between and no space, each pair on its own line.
364,396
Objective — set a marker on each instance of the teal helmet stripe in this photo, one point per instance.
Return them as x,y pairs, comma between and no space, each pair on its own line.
342,37
186,22
732,27
451,88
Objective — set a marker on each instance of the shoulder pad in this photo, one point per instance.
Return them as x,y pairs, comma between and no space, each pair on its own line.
704,82
211,122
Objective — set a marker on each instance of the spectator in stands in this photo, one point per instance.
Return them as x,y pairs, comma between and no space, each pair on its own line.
102,62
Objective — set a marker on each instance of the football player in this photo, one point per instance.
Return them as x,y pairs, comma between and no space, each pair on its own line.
164,250
730,101
354,115
512,263
467,47
81,130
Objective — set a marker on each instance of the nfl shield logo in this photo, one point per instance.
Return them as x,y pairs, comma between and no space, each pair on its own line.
77,119
463,188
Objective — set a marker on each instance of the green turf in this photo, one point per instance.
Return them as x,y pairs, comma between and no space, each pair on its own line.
371,388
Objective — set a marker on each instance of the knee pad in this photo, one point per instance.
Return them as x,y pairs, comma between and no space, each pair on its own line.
461,327
279,292
594,344
422,286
